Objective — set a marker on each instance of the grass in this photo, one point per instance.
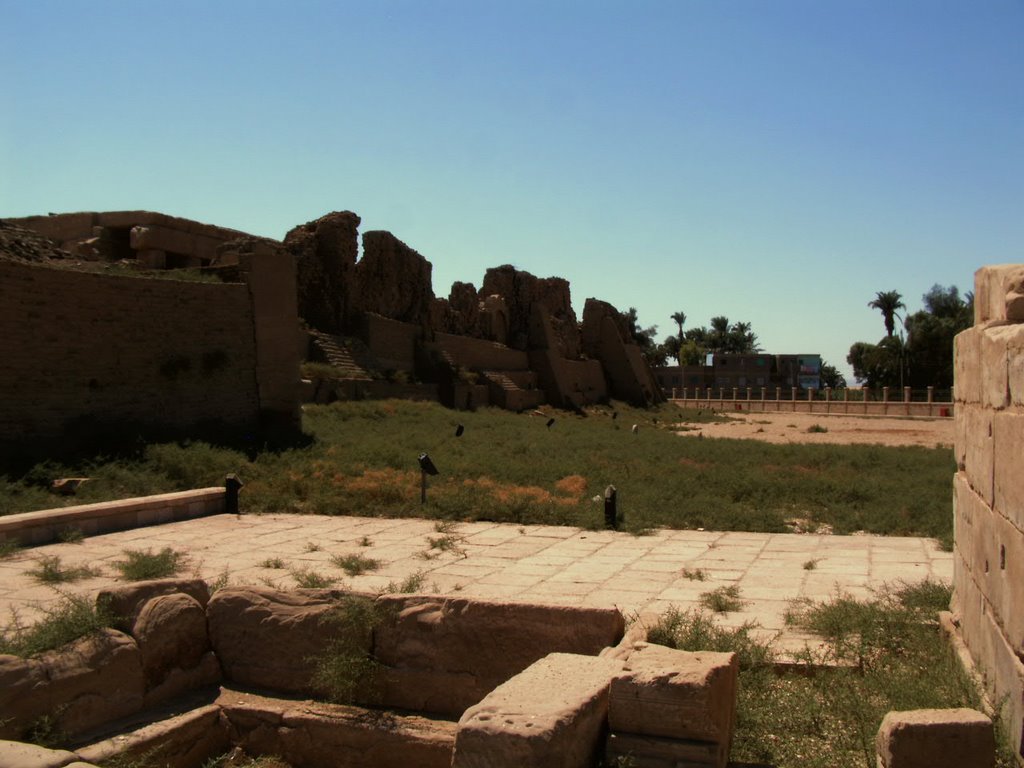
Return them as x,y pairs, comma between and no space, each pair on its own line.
307,578
71,618
408,585
695,574
817,429
355,564
725,599
272,562
50,570
891,656
506,467
140,565
810,565
8,547
346,668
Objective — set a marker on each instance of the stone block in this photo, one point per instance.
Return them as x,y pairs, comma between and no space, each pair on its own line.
936,738
16,754
1001,670
960,436
995,391
964,513
1015,364
467,647
979,451
160,238
171,634
125,602
1008,480
653,752
152,258
998,292
552,713
967,365
675,694
270,639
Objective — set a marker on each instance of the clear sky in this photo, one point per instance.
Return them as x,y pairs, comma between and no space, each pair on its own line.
774,161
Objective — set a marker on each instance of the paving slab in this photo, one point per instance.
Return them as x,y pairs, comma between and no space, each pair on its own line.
548,564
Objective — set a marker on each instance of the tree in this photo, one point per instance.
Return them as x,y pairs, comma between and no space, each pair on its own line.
879,365
831,377
887,302
679,318
931,332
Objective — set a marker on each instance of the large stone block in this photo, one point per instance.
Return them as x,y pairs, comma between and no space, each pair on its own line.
16,754
171,633
126,601
157,238
1015,363
675,694
967,365
270,639
551,714
445,654
1008,481
1001,670
999,294
979,451
936,738
995,390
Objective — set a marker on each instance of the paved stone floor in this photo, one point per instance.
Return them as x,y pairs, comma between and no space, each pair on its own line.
546,564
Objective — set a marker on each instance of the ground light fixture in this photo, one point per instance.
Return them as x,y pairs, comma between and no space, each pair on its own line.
426,468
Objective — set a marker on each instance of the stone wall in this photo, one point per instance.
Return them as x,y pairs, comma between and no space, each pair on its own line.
989,489
85,352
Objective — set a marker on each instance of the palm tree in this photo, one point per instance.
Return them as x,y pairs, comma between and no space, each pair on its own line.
719,335
679,318
887,302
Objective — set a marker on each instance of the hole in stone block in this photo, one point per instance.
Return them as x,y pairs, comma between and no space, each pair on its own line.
986,566
1002,557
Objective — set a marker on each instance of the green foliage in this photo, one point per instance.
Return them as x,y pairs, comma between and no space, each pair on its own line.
506,467
408,585
50,570
725,599
817,428
696,631
8,547
71,534
272,562
140,565
355,564
70,618
307,578
346,670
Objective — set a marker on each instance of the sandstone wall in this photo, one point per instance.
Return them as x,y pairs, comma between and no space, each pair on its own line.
989,489
83,352
477,353
391,343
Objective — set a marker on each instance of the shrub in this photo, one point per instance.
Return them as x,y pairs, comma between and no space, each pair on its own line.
71,618
355,564
140,565
49,570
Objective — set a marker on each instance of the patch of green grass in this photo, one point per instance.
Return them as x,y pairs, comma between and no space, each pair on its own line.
817,429
71,618
723,599
365,542
408,585
8,547
312,546
354,465
355,564
307,578
810,565
71,534
272,562
346,669
695,574
140,565
50,570
828,718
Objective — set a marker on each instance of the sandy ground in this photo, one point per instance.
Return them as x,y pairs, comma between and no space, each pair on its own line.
793,428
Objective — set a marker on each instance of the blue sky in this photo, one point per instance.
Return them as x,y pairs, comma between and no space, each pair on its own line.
774,161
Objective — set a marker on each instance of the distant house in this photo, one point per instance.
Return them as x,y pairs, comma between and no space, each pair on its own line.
731,371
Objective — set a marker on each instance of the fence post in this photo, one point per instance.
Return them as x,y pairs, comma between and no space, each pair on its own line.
828,399
674,394
792,395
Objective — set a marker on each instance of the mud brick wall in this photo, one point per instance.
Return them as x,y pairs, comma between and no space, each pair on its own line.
989,489
79,348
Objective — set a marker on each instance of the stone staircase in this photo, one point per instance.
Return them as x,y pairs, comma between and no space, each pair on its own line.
348,355
513,390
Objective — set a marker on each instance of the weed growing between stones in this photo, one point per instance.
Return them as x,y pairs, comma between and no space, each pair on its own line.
140,565
71,618
71,534
346,670
810,565
50,570
272,562
8,547
695,574
355,564
817,429
408,585
307,578
723,599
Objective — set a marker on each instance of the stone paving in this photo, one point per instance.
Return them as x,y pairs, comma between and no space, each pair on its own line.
545,564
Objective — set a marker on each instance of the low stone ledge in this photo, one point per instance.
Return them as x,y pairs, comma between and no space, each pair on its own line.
936,738
553,713
17,754
653,752
44,526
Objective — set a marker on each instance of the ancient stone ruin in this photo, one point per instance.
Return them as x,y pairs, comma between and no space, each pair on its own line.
187,675
91,342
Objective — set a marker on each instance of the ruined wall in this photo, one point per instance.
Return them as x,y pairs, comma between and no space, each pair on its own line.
989,489
478,353
325,255
85,352
391,343
605,337
393,280
521,292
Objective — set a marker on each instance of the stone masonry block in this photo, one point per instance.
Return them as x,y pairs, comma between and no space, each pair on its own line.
1008,480
155,237
967,365
960,436
964,513
17,754
979,451
553,713
996,293
1001,670
1015,363
676,694
995,391
936,738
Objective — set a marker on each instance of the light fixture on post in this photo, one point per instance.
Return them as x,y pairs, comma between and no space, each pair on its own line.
426,468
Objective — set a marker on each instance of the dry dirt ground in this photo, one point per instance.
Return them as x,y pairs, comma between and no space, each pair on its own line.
793,428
